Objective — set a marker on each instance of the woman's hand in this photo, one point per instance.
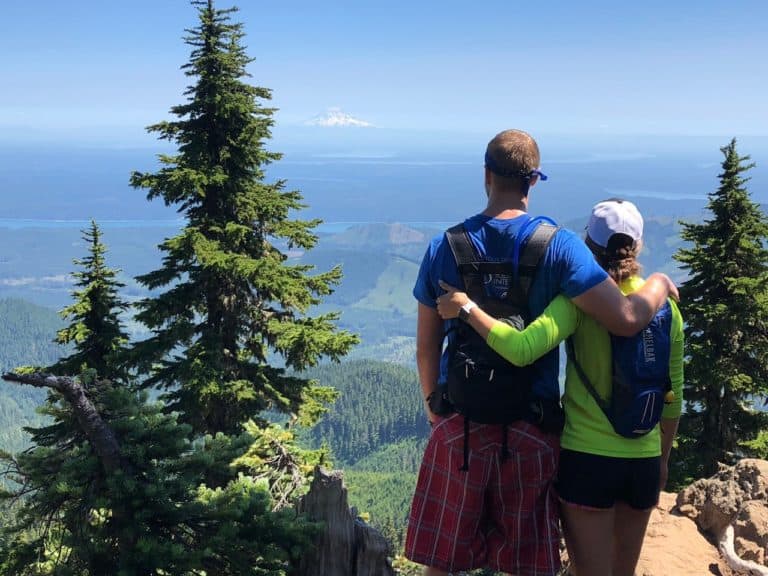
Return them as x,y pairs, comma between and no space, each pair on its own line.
448,304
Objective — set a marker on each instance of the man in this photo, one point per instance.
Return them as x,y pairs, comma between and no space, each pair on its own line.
499,512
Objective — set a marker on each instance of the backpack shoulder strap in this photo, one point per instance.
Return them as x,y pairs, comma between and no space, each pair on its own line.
471,268
533,252
571,351
463,250
466,258
525,266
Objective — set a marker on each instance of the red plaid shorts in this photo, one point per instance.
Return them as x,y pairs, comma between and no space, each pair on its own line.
498,514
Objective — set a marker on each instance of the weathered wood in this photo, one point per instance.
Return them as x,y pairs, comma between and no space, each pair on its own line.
727,550
95,429
347,546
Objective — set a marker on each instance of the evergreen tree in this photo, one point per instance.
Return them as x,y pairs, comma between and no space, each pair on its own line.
95,329
123,494
117,485
725,305
112,485
235,311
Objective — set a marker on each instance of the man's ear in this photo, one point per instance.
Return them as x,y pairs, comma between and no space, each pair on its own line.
534,179
487,178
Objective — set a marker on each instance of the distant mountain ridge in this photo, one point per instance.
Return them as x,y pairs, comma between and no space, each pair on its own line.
378,234
379,260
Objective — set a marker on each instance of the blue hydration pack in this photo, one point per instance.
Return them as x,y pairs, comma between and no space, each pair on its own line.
640,377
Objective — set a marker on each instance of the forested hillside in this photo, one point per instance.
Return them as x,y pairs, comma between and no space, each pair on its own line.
26,338
379,404
376,431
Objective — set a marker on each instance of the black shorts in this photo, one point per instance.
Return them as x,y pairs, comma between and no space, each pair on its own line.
600,481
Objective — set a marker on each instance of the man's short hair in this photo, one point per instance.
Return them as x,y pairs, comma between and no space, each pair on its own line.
512,152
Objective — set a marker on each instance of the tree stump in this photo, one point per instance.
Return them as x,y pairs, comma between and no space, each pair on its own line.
347,546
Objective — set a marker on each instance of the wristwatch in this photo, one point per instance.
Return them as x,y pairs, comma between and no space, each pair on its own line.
465,310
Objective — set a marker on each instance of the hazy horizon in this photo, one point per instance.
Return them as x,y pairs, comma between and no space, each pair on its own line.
384,180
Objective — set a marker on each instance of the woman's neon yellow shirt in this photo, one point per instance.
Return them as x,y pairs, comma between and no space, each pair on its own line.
586,427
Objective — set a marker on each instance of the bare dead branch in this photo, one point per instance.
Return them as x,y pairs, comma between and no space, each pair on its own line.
99,434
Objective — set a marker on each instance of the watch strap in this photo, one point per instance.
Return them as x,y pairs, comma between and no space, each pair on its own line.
466,309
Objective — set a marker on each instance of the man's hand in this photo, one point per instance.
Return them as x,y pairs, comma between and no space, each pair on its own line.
626,315
449,304
431,416
672,290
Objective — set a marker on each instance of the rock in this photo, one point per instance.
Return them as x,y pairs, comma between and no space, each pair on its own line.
752,477
715,502
752,523
688,510
748,550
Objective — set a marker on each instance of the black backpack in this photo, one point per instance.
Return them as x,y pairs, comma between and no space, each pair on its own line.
481,385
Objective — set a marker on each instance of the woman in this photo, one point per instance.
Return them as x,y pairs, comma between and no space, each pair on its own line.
607,484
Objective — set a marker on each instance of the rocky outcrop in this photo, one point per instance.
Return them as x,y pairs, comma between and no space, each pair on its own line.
346,546
674,546
731,507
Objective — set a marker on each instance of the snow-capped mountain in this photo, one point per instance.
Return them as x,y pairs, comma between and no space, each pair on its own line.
337,117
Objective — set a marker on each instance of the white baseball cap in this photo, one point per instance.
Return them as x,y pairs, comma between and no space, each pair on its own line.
611,217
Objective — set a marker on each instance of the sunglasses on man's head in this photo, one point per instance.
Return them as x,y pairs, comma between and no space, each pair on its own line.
490,163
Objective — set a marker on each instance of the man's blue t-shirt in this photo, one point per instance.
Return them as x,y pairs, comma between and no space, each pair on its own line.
568,268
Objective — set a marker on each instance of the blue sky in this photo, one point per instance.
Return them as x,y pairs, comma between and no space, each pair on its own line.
86,69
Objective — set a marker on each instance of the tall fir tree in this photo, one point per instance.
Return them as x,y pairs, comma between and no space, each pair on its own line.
112,485
95,330
235,312
725,305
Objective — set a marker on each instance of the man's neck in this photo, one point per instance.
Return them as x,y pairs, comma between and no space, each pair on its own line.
505,207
